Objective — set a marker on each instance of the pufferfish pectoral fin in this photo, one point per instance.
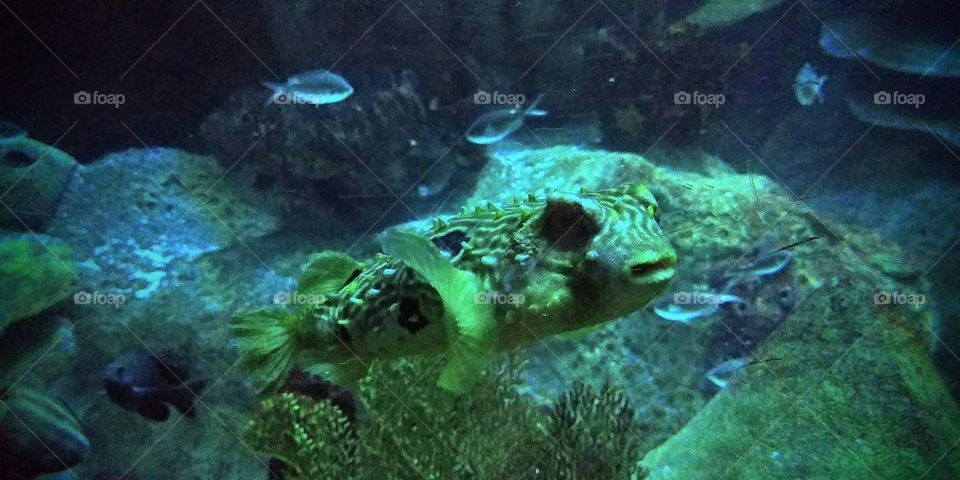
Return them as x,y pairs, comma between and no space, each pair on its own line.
326,272
471,326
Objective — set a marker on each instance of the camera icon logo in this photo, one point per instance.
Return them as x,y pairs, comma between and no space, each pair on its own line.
82,298
481,298
682,98
882,298
882,98
482,97
281,298
681,298
82,98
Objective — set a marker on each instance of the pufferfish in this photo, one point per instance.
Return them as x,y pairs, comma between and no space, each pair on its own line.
466,287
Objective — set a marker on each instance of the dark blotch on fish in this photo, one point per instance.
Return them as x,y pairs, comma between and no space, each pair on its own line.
411,318
566,224
142,383
451,243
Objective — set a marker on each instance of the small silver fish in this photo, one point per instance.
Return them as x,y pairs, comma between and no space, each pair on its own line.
808,86
764,265
436,179
494,126
316,87
720,375
684,307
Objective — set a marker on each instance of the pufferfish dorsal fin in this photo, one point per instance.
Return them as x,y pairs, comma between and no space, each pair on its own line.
471,326
326,272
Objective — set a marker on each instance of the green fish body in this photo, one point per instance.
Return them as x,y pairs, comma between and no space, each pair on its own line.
466,286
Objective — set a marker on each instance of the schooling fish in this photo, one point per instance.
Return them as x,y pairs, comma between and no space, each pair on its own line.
317,87
767,264
38,435
494,126
142,383
488,279
686,307
808,86
720,376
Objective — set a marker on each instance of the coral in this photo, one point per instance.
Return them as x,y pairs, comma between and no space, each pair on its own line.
348,156
34,274
33,177
411,429
312,438
600,436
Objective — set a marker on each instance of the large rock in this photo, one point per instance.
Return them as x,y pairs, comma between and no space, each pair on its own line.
170,247
843,387
141,216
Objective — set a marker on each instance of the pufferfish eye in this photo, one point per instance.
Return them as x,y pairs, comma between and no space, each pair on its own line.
654,213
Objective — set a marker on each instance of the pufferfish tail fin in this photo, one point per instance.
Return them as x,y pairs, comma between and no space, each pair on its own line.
273,340
471,326
267,346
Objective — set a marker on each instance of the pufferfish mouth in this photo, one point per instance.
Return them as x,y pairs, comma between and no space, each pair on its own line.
657,271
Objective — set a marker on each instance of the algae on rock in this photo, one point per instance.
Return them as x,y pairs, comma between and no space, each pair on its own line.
852,390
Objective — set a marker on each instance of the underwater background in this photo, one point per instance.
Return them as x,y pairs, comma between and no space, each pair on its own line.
485,239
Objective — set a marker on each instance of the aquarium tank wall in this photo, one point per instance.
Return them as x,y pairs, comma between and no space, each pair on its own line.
485,239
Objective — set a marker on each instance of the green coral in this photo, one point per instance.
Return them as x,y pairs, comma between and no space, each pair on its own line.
410,428
33,276
597,427
310,437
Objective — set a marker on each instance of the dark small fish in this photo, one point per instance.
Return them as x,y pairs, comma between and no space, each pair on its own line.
142,383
